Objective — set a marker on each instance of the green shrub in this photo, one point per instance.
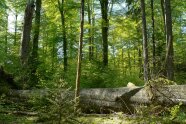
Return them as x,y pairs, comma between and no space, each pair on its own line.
56,107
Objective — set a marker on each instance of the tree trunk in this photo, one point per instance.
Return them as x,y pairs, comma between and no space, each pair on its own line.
163,13
121,99
123,62
53,52
153,39
15,30
140,62
62,12
93,28
77,90
169,64
105,26
6,36
25,46
34,56
90,31
117,99
145,44
129,58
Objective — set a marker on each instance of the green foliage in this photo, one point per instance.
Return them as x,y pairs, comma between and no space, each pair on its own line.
159,82
56,107
94,75
174,111
162,114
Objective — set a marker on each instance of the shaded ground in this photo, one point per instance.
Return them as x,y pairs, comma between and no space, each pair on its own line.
92,119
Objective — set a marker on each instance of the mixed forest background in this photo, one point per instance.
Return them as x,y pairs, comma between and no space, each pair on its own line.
124,41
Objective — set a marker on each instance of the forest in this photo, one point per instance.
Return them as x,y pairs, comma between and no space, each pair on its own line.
92,61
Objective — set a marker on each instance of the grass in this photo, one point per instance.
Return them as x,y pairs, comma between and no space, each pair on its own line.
16,119
117,118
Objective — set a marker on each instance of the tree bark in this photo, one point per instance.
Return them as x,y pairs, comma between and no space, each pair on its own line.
105,26
25,43
169,64
6,36
34,57
153,39
78,76
90,31
15,30
93,29
163,13
145,44
129,58
121,99
62,12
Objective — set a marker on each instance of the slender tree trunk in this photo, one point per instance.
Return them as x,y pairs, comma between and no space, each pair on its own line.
169,64
53,55
134,54
111,8
163,13
105,26
129,57
15,30
77,90
122,56
71,43
145,44
113,52
34,57
62,12
6,36
153,39
25,46
93,27
90,32
140,61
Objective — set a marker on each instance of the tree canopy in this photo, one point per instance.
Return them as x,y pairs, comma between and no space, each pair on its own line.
113,47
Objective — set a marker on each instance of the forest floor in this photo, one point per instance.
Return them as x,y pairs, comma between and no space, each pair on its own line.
91,119
20,119
16,113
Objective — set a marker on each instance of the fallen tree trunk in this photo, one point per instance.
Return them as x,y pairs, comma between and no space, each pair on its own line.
117,99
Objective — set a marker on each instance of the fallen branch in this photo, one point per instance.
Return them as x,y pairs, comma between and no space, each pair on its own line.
20,113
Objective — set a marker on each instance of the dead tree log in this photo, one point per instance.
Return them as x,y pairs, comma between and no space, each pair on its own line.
118,99
123,99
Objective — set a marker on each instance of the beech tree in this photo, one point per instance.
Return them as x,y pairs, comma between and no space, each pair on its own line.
145,44
78,74
169,64
34,55
104,27
25,43
153,38
64,37
90,30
